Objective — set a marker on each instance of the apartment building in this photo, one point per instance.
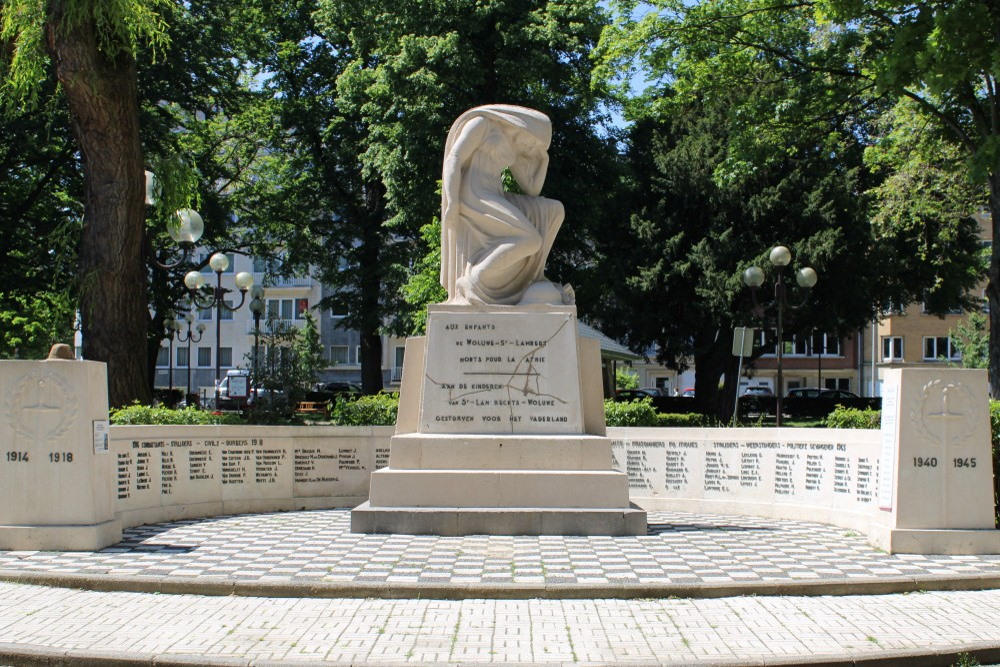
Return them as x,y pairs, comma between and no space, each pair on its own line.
191,365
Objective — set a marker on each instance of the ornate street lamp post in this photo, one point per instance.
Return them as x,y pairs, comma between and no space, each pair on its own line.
806,277
169,324
189,338
257,308
215,297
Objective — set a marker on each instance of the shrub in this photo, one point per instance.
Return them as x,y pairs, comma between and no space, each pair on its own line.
692,419
630,413
136,414
842,417
377,410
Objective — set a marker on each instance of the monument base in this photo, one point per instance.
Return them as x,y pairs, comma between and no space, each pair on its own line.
61,538
458,521
935,541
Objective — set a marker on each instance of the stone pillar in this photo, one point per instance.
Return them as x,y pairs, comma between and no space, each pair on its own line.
56,474
500,431
935,491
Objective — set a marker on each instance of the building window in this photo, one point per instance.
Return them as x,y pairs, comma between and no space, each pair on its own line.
226,357
205,313
397,369
301,308
940,347
182,357
844,384
892,348
204,356
226,313
163,357
340,354
287,309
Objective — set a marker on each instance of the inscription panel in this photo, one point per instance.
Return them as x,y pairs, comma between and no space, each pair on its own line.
838,475
243,465
509,372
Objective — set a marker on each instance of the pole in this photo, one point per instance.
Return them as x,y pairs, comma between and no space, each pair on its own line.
256,353
739,374
170,368
874,348
188,392
820,338
218,336
779,297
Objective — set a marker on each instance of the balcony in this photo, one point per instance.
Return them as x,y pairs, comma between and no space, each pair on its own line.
268,280
280,325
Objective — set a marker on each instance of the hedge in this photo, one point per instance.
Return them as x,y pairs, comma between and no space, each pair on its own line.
136,414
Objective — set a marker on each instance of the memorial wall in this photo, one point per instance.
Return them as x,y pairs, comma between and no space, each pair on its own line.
827,475
164,473
171,472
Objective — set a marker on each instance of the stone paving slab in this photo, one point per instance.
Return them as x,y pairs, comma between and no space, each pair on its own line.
314,553
40,625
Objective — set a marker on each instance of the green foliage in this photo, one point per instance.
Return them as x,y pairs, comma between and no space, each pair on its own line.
842,417
31,324
626,378
424,285
972,338
136,414
630,413
832,66
922,214
119,26
375,410
691,419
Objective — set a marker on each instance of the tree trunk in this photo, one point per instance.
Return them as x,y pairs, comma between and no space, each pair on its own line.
104,115
371,288
710,364
993,287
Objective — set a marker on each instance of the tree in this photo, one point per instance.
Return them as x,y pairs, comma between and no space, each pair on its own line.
92,49
39,195
690,235
971,338
944,57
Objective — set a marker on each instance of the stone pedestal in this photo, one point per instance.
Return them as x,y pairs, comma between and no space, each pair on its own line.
56,474
500,431
936,469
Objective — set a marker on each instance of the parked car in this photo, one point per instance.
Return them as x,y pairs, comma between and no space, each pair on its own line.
340,387
759,390
688,392
636,394
815,392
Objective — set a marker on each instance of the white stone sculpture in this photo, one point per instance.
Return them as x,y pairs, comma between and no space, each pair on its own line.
494,244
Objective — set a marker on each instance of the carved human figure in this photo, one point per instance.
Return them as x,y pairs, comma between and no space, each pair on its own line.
494,244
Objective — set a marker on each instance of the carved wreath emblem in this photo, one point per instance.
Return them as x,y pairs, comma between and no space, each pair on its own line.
944,413
42,405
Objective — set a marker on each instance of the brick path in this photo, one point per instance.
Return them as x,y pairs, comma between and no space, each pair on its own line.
740,630
298,553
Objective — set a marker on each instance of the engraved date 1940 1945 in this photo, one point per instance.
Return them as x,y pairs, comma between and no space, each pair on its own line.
54,457
932,462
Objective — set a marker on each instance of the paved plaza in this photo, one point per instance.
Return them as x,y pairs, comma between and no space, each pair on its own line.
696,589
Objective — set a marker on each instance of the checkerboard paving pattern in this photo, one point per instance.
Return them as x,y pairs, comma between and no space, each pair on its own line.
317,546
741,630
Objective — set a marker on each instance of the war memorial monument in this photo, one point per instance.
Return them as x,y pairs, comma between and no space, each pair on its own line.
501,426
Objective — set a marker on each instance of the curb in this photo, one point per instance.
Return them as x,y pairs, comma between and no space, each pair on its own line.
219,586
24,655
